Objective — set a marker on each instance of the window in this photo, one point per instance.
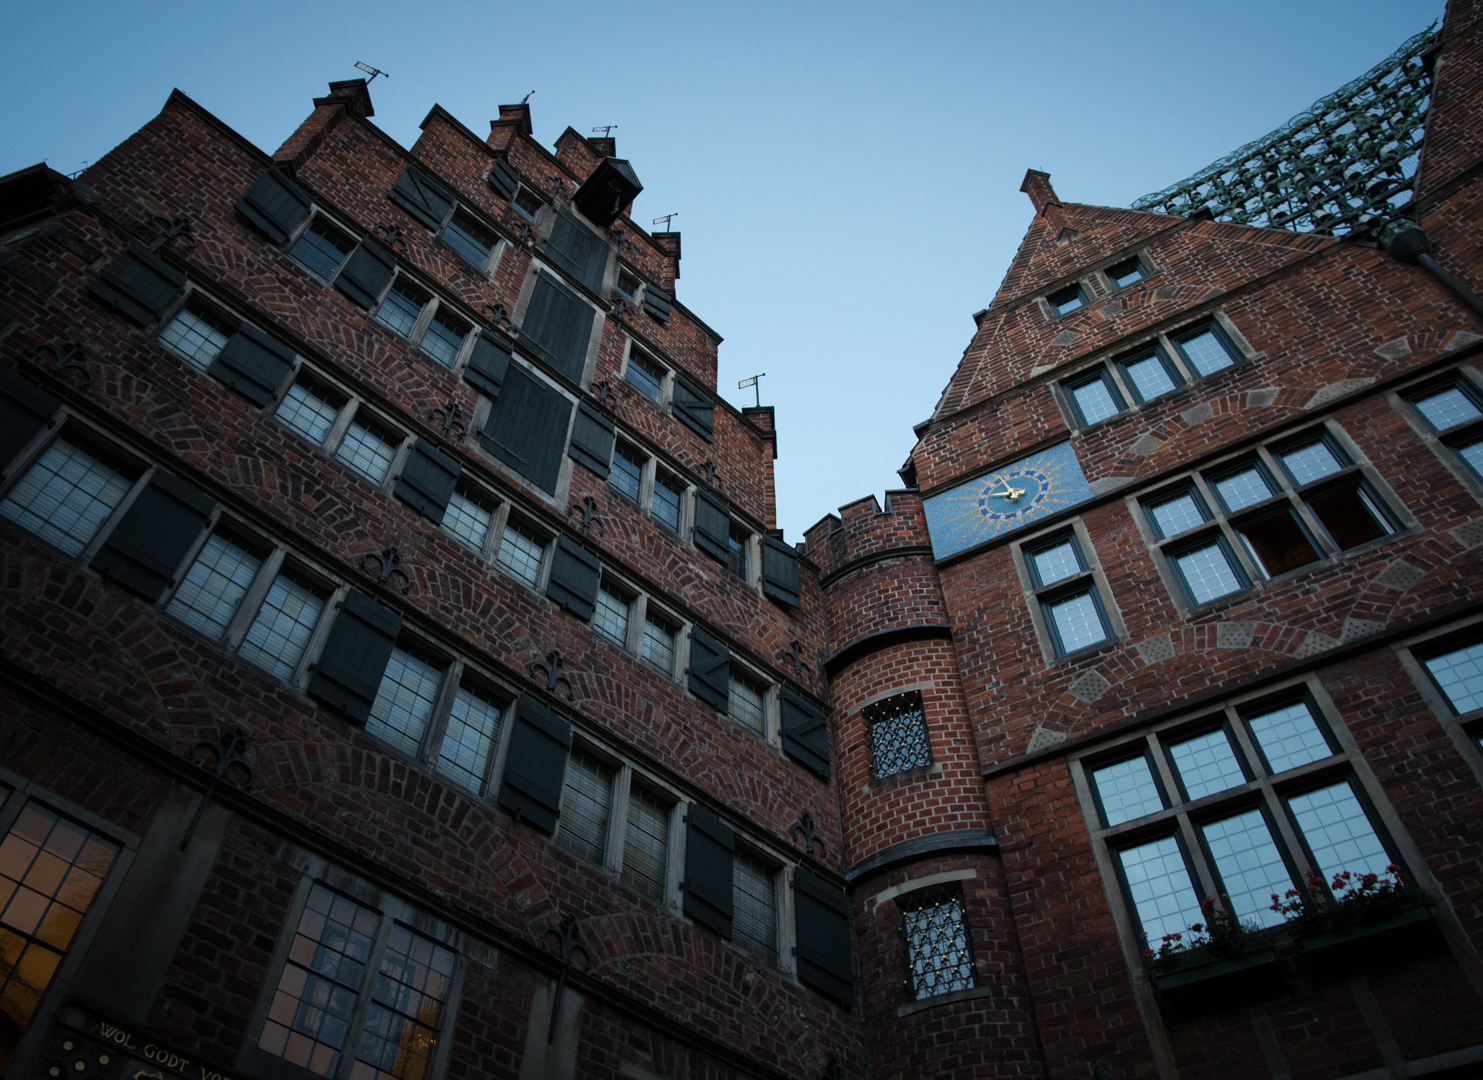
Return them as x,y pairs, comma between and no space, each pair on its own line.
738,540
1174,514
1148,374
666,505
469,516
198,333
747,703
1125,790
1094,398
366,451
627,474
469,740
1125,273
67,495
937,950
323,248
585,807
444,338
310,410
404,703
754,920
610,615
659,646
521,552
1066,300
1458,673
628,285
646,375
1206,349
1348,508
646,843
1454,409
1207,571
280,632
1070,602
528,202
897,730
50,871
402,307
214,586
470,239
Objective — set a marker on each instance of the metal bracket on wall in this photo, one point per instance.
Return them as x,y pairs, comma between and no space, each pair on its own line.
708,468
497,315
229,752
794,655
392,234
551,672
603,391
804,830
588,509
388,565
566,938
69,356
449,415
174,227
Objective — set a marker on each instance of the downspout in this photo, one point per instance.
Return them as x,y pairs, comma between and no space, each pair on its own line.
1406,242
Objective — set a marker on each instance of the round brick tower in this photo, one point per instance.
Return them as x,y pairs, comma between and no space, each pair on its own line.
943,985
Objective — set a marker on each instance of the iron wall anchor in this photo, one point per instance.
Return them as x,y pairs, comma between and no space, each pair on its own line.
228,752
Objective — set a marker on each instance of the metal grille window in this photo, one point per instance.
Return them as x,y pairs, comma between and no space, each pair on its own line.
323,248
404,703
611,614
646,843
627,474
521,553
1071,603
645,375
367,452
470,239
659,647
402,307
468,517
50,871
1458,673
214,587
469,739
585,808
198,333
898,734
309,411
444,338
746,704
279,634
406,1010
938,955
666,507
66,496
754,922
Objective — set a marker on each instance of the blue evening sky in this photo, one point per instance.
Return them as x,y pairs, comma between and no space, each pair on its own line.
846,175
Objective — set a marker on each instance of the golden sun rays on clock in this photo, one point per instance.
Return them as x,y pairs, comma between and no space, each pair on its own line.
1005,499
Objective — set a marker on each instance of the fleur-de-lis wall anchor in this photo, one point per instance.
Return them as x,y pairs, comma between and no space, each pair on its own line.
551,672
556,187
527,235
174,227
388,566
620,308
804,830
566,939
497,315
794,653
229,751
392,234
588,509
69,356
709,468
603,391
448,415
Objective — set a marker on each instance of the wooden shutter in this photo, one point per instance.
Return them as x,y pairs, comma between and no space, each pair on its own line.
710,670
822,925
253,364
504,179
527,428
421,196
592,439
557,326
156,532
578,250
24,410
275,205
427,480
367,273
489,359
138,285
805,734
574,574
693,407
779,571
712,526
710,846
657,303
535,767
355,654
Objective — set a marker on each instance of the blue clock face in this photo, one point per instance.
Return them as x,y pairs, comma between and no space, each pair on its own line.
1007,498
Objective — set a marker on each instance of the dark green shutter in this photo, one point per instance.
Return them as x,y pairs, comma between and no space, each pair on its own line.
138,284
657,303
24,410
253,364
421,196
822,925
578,250
693,407
557,327
355,654
504,179
488,361
275,204
779,571
712,526
805,734
156,532
527,428
592,439
535,767
574,574
710,846
427,480
710,670
367,273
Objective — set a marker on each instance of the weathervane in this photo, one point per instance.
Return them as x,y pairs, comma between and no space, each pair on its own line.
752,382
666,219
372,72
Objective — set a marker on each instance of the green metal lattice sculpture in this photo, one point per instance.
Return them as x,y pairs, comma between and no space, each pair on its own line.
1346,161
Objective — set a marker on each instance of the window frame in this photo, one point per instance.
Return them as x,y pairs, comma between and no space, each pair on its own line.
317,213
1088,579
1136,260
509,518
1100,373
769,692
205,305
1153,350
1448,444
491,257
643,359
1177,338
1057,309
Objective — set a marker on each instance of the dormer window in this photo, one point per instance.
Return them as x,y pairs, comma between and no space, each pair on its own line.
528,202
1126,273
1066,300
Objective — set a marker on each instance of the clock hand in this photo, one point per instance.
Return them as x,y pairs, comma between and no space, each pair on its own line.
1010,493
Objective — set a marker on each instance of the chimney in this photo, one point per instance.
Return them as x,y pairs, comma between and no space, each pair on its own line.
1037,186
604,146
763,418
669,243
519,115
348,98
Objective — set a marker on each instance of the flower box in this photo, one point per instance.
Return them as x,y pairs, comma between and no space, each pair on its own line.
1366,946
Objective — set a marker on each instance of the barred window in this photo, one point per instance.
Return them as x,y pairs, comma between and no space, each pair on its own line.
585,808
937,949
197,333
404,702
280,633
520,554
367,452
406,1010
898,734
646,843
214,587
754,924
745,704
66,496
470,739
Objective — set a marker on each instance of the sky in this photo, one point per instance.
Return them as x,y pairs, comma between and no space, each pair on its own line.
845,175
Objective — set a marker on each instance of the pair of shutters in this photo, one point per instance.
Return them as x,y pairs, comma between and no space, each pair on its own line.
821,911
710,670
504,180
712,526
354,658
535,767
156,533
366,273
779,571
592,439
574,576
657,303
275,205
253,364
527,427
558,326
423,197
138,284
693,407
24,411
578,250
428,480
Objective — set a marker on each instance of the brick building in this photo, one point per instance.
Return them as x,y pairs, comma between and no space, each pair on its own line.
404,675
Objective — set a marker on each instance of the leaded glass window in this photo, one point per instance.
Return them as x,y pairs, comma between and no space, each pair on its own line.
1459,675
402,307
659,647
468,517
1250,866
1206,352
937,949
305,409
280,631
469,740
1206,764
444,338
406,1010
1289,736
1127,790
1207,572
666,508
66,496
898,734
1162,892
610,615
470,239
520,554
1447,406
198,334
367,452
646,843
585,807
1075,621
626,475
754,923
404,702
1176,514
214,587
1149,376
322,248
746,704
646,375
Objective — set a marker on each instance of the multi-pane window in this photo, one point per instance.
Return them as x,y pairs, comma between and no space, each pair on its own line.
50,871
469,516
585,807
280,632
310,410
1233,847
646,375
444,338
754,923
1205,567
610,614
1070,602
366,450
628,285
1455,410
470,239
1458,673
406,1010
659,646
737,541
1205,349
1149,374
67,495
469,739
198,333
1126,273
402,307
746,702
520,553
323,248
1094,398
214,586
528,202
627,474
646,843
666,506
1067,300
938,955
1347,507
897,728
405,701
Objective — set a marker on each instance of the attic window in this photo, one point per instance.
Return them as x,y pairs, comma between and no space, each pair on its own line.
628,285
1125,273
1066,300
528,202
